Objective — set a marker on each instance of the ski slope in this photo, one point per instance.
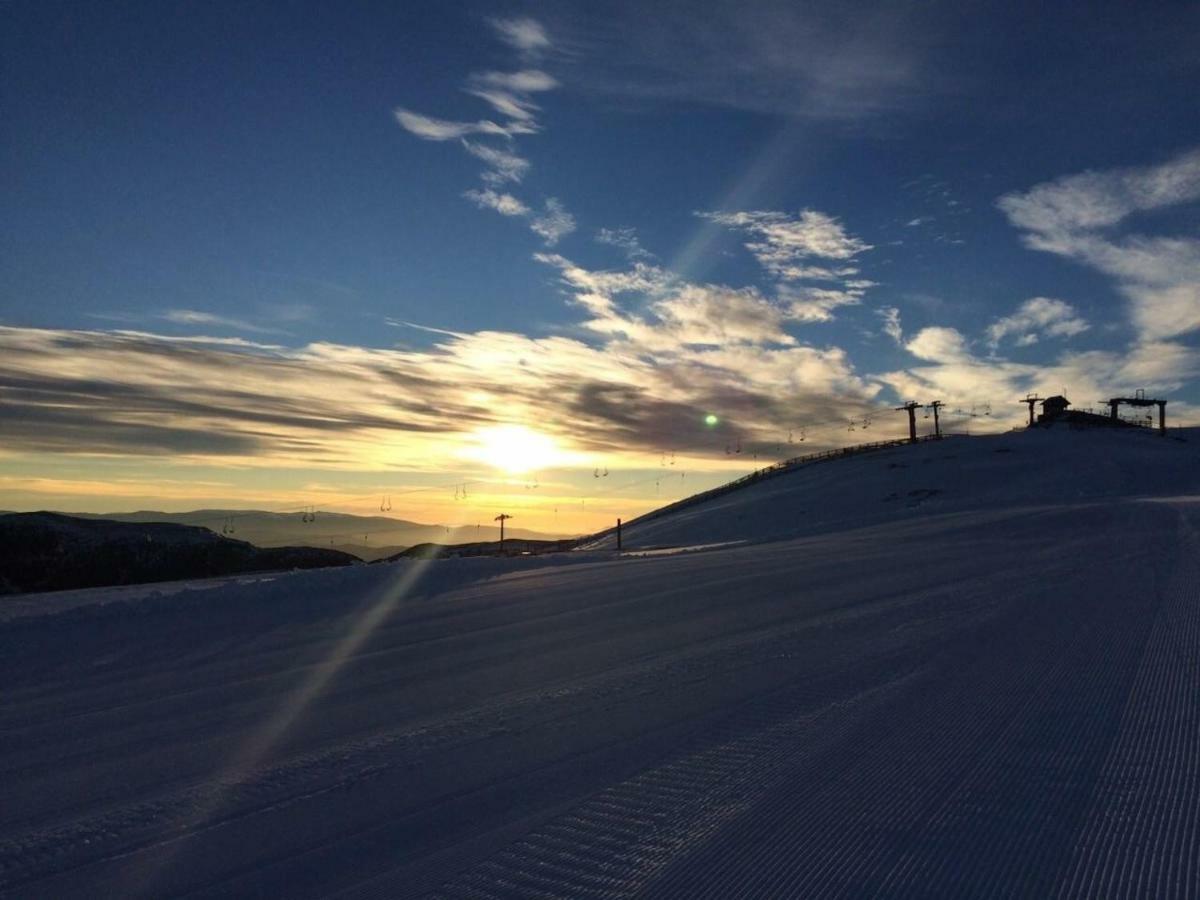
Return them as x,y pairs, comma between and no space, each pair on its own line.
985,691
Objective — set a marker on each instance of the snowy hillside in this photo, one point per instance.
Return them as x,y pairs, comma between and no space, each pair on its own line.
1025,468
958,669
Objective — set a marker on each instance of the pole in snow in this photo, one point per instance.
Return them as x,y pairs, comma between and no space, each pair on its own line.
501,519
618,534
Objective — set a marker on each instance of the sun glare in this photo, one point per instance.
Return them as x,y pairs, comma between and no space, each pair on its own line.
515,449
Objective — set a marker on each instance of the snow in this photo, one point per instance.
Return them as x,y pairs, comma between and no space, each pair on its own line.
986,690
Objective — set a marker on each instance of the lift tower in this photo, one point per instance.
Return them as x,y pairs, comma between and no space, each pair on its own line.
1140,399
937,425
911,407
1031,399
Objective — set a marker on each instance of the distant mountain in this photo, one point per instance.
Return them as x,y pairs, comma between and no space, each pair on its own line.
45,551
367,537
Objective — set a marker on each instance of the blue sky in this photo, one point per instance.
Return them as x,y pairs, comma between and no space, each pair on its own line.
222,222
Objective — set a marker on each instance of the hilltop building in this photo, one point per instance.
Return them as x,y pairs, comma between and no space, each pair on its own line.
1056,409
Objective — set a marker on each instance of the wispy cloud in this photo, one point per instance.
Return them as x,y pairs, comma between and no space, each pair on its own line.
523,34
781,243
511,95
553,223
1078,217
525,81
505,204
1037,317
785,246
891,323
432,129
196,317
625,240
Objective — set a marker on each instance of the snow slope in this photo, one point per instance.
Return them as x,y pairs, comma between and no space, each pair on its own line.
956,474
987,693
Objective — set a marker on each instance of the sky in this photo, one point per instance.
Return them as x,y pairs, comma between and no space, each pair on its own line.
571,260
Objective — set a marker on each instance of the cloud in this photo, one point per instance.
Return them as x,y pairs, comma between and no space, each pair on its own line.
784,244
816,304
673,313
553,223
525,81
432,129
505,204
1077,217
502,165
1034,318
781,242
624,239
508,105
939,344
524,34
950,372
509,94
196,317
718,316
695,349
891,323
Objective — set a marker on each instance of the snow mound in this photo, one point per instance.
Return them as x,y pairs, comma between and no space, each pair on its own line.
1028,468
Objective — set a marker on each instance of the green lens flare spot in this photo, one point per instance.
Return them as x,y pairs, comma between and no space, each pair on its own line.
710,420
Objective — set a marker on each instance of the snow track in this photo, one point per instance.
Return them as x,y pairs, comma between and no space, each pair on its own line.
989,703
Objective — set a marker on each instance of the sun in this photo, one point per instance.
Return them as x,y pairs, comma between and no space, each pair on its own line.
514,449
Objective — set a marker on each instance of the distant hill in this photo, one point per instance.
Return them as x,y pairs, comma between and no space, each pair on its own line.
512,546
367,537
45,551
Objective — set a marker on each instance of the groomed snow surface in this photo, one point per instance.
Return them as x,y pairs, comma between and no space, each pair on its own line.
966,668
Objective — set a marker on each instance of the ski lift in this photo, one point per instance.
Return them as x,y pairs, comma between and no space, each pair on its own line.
389,504
595,473
672,461
381,504
605,475
739,446
456,492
